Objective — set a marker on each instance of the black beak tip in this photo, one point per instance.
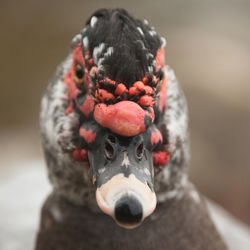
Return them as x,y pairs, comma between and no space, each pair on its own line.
128,211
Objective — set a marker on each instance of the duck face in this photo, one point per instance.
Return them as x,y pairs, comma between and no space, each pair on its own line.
123,174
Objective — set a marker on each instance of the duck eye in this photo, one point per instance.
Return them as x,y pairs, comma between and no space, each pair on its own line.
140,151
79,73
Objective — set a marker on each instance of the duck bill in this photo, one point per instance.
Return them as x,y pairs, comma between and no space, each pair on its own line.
123,175
126,199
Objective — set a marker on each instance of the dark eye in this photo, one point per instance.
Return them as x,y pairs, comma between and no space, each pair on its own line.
109,149
140,151
79,73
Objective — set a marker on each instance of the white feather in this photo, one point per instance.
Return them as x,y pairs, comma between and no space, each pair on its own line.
93,21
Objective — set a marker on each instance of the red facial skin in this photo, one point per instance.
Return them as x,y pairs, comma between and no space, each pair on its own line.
125,118
161,158
156,137
69,108
103,95
88,135
160,58
160,62
88,106
146,101
163,95
69,79
73,91
80,154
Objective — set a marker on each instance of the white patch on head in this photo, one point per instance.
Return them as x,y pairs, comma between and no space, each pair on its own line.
93,21
145,21
100,61
101,170
109,52
163,42
97,51
84,29
142,44
149,55
154,63
125,161
152,33
85,42
150,69
76,39
140,31
195,196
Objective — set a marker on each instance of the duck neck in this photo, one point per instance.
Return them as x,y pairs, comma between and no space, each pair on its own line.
179,223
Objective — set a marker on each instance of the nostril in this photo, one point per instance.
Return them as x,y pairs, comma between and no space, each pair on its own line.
109,147
128,210
140,151
109,150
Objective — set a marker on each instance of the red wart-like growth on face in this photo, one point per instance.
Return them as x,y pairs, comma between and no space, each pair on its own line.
80,154
160,59
88,135
125,118
156,137
127,110
78,83
161,158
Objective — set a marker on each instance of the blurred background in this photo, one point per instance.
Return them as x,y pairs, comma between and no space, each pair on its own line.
208,46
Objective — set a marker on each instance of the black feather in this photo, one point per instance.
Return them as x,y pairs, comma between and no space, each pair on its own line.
118,29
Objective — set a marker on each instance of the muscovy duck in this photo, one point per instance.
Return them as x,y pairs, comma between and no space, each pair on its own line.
115,138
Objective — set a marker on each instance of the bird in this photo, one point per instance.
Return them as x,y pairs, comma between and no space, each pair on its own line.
114,129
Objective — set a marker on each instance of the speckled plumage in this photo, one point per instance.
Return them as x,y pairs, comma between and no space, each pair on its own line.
175,225
180,221
59,130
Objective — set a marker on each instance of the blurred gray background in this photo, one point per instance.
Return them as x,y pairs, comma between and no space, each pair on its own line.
208,45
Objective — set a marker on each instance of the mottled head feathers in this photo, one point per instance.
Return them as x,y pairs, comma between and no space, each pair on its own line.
114,81
123,48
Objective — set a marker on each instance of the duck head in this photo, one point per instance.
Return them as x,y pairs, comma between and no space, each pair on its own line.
116,107
118,85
